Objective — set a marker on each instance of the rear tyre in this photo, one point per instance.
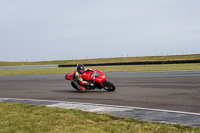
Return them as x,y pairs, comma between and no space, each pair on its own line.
109,86
73,85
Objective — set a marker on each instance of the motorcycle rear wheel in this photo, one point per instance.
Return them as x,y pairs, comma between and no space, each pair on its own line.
74,86
109,86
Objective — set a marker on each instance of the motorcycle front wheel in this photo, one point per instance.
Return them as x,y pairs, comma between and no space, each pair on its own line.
109,86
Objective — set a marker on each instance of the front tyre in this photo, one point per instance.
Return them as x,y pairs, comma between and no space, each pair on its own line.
109,86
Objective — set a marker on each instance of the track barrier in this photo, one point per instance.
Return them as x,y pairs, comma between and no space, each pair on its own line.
139,63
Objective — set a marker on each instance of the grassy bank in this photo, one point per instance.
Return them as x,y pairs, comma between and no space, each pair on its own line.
124,68
17,117
107,60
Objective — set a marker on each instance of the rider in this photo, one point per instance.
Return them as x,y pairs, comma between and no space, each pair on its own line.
78,80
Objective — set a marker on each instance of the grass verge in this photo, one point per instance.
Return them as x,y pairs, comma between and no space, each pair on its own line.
16,117
123,68
106,60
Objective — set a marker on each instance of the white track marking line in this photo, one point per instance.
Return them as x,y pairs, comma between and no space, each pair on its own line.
105,105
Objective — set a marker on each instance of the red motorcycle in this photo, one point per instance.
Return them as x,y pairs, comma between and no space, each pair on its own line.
96,76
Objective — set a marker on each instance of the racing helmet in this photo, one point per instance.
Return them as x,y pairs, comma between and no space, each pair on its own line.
80,68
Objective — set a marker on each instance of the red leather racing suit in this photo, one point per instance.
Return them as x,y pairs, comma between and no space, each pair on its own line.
78,80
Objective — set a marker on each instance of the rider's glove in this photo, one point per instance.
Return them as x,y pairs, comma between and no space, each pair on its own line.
89,69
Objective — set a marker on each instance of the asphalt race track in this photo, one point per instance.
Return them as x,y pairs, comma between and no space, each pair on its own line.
168,90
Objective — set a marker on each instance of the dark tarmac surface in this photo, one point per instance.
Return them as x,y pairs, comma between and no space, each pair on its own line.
168,90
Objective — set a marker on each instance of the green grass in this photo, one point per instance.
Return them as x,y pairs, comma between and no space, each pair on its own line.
22,118
105,68
123,68
106,60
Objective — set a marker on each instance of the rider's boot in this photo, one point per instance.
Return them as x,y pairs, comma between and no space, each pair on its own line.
83,89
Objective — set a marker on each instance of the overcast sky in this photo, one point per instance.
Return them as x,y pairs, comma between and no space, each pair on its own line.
64,29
